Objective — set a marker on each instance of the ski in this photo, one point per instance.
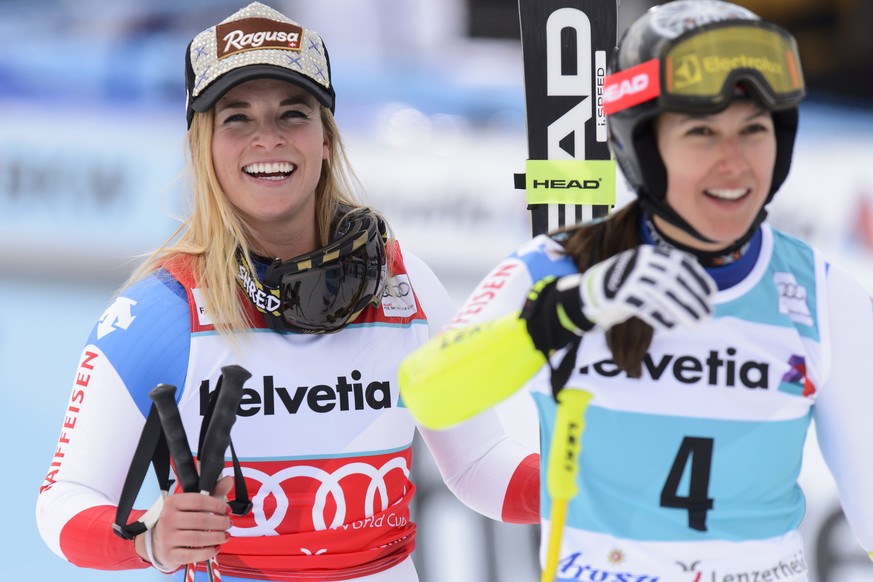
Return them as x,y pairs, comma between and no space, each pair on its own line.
569,175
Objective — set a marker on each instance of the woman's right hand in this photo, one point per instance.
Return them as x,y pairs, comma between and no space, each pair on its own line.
664,287
191,527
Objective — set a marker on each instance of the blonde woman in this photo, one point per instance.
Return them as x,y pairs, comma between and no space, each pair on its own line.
281,270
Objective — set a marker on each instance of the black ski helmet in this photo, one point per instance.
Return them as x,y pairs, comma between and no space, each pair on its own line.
649,40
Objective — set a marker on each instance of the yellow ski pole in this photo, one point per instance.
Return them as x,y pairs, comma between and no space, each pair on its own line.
563,466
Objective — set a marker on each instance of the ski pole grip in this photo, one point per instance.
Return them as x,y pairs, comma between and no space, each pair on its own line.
164,397
567,443
217,437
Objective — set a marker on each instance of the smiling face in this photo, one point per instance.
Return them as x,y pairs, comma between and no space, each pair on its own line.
719,171
267,150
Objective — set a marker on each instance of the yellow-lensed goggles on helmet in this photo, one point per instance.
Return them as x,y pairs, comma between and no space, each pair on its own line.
698,72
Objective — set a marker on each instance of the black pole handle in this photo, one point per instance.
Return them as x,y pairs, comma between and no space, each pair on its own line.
164,397
217,436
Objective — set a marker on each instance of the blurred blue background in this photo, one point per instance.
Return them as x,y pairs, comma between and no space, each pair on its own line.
430,99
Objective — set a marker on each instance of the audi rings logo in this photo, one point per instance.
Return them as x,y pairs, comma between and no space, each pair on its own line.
398,288
792,298
399,299
272,495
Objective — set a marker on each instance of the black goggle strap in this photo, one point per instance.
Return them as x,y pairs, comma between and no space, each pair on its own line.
241,504
264,298
383,229
267,299
152,447
344,245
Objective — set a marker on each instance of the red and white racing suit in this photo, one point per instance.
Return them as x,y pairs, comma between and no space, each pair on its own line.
324,442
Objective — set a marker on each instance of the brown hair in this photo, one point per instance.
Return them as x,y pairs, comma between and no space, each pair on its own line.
592,243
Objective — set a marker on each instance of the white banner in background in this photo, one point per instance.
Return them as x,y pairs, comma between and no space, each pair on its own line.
101,182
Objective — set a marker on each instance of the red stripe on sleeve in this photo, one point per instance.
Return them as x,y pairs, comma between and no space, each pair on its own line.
522,501
88,541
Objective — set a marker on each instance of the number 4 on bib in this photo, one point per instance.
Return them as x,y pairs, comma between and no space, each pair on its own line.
695,455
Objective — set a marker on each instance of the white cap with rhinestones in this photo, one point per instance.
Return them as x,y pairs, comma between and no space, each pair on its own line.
256,42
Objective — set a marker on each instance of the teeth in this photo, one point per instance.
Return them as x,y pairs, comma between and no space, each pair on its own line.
732,194
266,168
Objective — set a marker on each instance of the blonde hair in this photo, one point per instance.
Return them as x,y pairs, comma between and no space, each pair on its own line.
214,230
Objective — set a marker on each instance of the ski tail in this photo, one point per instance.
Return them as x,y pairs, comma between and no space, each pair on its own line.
569,176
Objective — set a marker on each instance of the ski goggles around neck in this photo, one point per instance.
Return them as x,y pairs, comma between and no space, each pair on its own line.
323,291
698,72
